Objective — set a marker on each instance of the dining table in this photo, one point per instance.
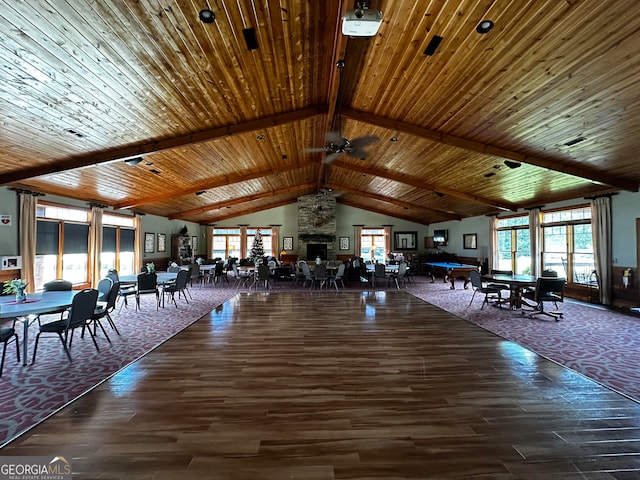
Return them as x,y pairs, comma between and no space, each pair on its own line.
516,283
28,311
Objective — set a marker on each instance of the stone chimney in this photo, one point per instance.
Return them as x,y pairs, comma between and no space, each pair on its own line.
317,225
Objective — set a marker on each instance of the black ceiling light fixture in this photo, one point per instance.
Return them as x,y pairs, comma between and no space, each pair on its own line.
512,164
132,162
484,26
206,16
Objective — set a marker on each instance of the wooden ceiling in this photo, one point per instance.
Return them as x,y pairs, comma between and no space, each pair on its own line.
224,130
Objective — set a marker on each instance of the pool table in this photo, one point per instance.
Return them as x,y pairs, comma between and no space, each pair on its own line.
450,271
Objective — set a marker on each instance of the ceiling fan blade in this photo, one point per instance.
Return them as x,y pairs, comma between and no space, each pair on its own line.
316,149
363,141
334,137
358,153
331,157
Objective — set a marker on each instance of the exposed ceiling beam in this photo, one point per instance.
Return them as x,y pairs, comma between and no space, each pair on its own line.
425,186
394,201
580,171
339,50
159,145
211,183
239,200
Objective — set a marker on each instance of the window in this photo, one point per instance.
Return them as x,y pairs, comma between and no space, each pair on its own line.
513,244
118,244
372,244
266,240
62,245
568,243
226,243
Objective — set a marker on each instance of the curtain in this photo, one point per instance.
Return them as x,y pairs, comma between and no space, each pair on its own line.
275,241
535,234
243,242
493,243
601,232
209,242
357,241
387,242
27,232
139,246
95,244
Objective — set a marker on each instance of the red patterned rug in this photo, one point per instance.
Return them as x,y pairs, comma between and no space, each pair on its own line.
599,343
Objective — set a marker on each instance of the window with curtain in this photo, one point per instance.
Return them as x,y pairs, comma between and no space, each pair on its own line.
568,243
372,244
118,244
226,243
62,245
513,244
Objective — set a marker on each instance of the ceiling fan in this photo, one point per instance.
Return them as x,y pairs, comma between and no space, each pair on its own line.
336,143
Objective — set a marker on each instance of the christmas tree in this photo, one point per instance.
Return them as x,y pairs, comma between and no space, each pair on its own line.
257,251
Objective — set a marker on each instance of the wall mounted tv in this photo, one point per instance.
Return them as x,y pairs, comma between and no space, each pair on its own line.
440,236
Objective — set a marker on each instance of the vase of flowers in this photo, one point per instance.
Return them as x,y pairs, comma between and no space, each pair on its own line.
151,268
18,287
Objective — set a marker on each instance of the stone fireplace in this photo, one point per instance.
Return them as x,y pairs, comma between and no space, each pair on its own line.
317,226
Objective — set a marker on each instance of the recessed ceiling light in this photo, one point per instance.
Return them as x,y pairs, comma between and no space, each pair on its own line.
394,139
484,26
200,192
260,137
206,16
511,164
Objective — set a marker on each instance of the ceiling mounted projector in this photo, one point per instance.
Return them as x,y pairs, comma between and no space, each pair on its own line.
361,22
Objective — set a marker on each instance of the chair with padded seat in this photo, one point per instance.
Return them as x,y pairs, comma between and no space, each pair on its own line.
338,277
179,287
78,316
147,285
105,307
489,292
6,335
547,289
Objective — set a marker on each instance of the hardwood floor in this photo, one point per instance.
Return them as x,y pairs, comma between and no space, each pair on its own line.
351,385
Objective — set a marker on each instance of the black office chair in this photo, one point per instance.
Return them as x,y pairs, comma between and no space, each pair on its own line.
6,334
79,316
477,285
548,289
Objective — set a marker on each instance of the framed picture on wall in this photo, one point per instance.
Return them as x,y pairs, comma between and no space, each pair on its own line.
162,242
470,241
194,244
405,241
149,241
344,243
287,243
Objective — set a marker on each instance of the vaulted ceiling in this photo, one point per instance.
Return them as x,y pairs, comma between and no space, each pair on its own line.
231,117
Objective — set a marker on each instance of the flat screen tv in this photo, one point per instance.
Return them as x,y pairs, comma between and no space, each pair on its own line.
440,236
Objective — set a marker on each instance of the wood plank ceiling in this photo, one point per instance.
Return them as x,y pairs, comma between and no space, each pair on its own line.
225,130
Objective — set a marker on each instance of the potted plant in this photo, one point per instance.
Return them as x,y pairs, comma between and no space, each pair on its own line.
151,267
17,286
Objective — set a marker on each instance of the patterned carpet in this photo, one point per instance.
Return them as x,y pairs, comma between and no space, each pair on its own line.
601,344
